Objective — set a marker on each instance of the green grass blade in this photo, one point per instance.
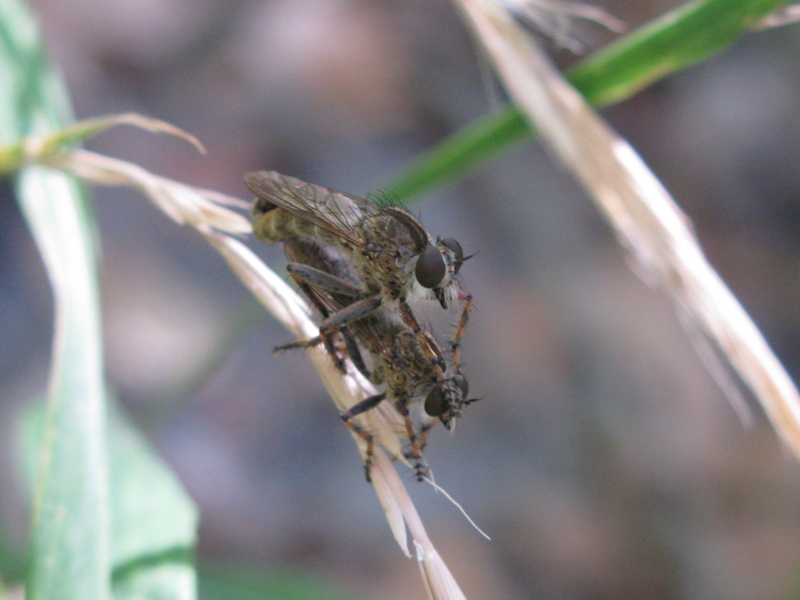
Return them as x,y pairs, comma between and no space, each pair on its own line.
670,43
153,520
69,549
69,553
240,582
673,42
476,143
143,525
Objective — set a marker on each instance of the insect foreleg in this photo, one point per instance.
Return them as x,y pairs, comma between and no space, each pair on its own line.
355,410
455,343
351,312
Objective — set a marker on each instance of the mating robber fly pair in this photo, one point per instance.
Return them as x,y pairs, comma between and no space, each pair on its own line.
359,263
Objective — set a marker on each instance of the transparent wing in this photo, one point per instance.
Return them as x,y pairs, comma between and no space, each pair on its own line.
335,211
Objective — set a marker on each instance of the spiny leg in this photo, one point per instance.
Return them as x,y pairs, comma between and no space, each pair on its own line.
335,321
423,434
326,337
455,343
321,279
423,336
354,352
415,454
355,410
315,284
370,440
330,347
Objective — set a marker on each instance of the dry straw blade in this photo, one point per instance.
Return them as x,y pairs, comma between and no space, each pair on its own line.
555,19
183,203
645,218
36,148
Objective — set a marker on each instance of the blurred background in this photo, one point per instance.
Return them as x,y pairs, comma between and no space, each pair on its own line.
602,460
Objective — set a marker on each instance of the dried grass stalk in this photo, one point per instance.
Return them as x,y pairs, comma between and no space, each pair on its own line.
645,218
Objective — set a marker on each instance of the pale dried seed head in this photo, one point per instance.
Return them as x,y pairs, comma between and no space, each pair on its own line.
644,216
183,203
439,582
554,18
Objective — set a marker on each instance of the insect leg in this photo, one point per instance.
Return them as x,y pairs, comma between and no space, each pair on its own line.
323,276
455,344
306,284
411,320
351,312
423,434
335,322
309,293
355,410
353,350
326,281
415,453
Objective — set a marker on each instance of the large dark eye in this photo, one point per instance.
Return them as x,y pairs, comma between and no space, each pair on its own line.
430,268
435,405
452,244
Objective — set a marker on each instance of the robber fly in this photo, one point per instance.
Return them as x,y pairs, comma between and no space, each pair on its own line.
411,364
391,250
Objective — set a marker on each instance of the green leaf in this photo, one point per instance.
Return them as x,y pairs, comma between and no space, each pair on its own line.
220,582
69,548
145,526
670,43
673,42
153,520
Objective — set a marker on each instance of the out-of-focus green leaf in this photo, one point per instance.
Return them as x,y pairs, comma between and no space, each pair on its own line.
153,521
673,42
145,526
250,583
69,549
11,561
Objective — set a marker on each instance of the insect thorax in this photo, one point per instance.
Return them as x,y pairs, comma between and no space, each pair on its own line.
388,253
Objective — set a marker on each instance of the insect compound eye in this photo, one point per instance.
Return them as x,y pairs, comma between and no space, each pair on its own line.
430,269
462,384
435,406
453,245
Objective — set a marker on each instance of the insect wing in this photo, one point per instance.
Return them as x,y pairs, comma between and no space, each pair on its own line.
329,209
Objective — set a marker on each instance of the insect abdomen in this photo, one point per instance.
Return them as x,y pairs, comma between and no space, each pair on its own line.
279,225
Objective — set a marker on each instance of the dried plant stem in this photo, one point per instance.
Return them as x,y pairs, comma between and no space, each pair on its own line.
645,218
